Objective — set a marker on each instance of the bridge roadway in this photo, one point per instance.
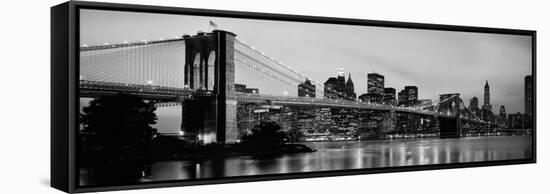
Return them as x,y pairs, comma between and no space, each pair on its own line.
308,101
170,96
94,89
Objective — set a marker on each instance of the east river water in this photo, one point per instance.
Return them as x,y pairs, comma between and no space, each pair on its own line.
348,155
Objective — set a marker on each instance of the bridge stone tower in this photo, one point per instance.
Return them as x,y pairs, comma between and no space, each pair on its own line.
210,68
449,126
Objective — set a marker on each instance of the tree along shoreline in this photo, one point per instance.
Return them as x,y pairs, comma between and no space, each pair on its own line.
119,129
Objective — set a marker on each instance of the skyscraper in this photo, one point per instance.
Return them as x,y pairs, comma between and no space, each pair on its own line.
338,88
516,120
350,89
474,103
375,83
487,98
487,108
389,96
502,110
306,89
474,106
402,98
528,101
341,77
528,95
412,95
502,117
332,89
375,87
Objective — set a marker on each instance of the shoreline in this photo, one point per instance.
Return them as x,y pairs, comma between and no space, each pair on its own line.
414,138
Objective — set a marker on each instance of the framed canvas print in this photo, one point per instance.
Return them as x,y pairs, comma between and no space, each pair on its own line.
149,96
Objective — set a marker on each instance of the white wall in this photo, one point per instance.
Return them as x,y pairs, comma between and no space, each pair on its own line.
24,79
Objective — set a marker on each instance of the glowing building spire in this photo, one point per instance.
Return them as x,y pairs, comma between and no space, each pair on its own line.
341,72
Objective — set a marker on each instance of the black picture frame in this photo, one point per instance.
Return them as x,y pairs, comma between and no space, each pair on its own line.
64,92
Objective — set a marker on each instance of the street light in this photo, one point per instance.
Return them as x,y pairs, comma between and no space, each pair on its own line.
150,82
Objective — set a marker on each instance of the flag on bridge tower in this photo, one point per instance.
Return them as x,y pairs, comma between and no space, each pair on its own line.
214,25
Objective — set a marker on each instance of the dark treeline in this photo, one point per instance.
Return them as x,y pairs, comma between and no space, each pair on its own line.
118,142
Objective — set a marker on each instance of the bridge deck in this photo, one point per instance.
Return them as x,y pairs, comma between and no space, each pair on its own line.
171,96
308,101
94,89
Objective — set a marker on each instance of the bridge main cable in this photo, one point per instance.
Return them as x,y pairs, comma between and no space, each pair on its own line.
278,63
125,44
264,72
238,52
287,68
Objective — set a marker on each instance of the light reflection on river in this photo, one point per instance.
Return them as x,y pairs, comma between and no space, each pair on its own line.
353,155
348,155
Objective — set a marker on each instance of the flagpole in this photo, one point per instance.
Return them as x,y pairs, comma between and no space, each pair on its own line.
212,24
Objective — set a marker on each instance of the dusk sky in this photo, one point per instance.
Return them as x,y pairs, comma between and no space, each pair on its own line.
435,61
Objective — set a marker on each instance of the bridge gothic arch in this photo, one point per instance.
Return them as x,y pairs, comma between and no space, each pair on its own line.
200,73
210,68
196,73
187,75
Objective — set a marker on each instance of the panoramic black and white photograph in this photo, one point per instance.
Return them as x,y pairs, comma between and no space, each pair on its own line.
165,97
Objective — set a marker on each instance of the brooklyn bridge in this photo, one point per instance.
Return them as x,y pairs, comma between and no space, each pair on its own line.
203,73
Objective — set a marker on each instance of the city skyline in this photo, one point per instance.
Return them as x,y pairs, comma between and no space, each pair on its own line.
486,92
404,56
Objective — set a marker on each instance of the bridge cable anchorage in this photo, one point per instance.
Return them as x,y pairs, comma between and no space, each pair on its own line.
263,54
